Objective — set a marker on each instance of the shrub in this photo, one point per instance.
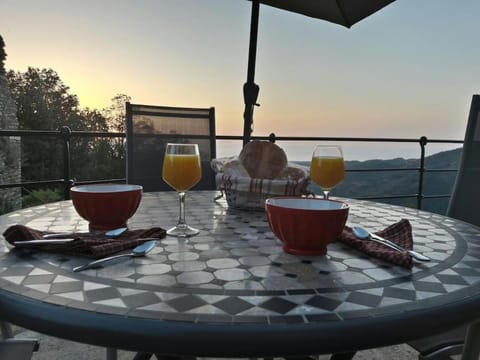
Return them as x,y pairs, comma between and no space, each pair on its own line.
39,197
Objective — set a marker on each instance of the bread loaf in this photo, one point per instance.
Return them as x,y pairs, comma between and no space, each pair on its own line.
263,159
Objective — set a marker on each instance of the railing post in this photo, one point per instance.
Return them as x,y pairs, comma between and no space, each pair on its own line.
272,138
423,142
67,182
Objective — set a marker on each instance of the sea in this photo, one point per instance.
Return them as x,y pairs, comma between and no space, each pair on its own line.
360,151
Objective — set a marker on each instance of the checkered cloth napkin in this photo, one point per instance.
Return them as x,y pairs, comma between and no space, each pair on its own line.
235,177
92,245
400,233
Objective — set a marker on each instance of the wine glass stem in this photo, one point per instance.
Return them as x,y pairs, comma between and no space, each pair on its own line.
325,194
181,217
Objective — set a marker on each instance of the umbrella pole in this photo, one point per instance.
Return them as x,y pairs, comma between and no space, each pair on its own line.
250,89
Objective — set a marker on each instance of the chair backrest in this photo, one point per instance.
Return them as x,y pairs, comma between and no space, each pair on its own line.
150,128
465,201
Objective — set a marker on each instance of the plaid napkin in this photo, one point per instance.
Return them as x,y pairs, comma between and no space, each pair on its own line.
262,186
400,233
231,175
92,245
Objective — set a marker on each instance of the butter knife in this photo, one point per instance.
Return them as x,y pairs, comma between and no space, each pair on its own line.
42,242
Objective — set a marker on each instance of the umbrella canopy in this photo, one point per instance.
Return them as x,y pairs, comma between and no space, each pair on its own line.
342,12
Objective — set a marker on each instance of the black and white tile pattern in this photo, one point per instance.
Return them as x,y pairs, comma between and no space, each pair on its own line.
235,270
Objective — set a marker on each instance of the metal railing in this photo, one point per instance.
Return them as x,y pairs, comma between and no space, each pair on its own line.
65,135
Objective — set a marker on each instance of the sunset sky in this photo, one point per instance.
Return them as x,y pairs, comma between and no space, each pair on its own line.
406,71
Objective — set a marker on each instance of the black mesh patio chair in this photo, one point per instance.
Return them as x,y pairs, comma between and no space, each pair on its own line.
150,128
463,205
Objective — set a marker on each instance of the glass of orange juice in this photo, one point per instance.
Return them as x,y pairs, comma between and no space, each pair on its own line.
182,170
327,168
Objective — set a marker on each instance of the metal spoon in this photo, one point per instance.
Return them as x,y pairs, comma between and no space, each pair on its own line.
110,233
140,250
363,234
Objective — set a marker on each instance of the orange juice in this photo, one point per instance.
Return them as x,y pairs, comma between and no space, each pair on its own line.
181,171
327,171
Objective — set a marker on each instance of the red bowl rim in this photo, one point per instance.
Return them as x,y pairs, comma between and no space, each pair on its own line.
105,188
270,203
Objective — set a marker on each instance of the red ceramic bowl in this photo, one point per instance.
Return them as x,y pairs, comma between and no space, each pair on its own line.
106,206
306,225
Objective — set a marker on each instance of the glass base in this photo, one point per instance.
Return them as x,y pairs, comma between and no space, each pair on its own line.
182,230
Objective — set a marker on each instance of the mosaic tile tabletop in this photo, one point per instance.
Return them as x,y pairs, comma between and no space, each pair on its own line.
235,269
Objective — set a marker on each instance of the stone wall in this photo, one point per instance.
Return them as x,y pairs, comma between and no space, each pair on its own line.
10,156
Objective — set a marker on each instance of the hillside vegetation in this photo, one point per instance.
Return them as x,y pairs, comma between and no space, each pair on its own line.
361,183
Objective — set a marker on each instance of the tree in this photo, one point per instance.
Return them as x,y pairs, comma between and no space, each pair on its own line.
44,102
115,113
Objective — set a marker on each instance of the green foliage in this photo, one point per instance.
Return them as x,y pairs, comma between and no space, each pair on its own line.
42,196
44,102
115,113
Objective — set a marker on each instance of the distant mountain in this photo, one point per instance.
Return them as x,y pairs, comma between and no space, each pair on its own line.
361,181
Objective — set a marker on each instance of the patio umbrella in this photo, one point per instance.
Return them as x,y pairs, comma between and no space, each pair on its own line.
342,12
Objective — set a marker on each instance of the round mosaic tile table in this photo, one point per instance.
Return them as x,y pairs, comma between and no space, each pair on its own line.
232,291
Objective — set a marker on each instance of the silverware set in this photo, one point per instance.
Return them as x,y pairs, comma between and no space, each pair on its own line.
62,238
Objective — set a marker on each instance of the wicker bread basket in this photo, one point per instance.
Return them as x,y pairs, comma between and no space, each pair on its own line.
244,192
